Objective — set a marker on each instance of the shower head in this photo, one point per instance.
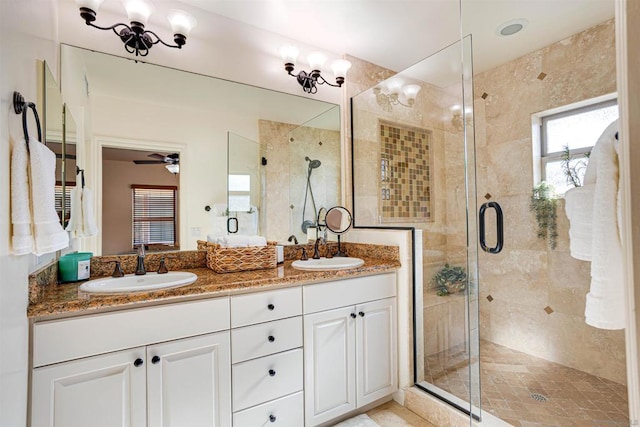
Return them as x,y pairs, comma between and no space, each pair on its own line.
313,164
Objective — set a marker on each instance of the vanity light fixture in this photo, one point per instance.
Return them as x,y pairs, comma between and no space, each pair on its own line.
456,117
135,38
391,92
309,81
174,168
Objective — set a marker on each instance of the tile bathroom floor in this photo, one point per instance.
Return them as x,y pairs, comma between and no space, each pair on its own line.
392,414
525,390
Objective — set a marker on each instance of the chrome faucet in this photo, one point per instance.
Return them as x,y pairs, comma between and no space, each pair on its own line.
293,239
140,266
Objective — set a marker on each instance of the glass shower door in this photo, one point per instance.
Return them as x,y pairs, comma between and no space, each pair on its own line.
244,213
414,166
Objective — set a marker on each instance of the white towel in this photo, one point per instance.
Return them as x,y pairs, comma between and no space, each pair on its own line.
75,216
82,221
237,241
49,235
89,226
579,209
22,238
605,307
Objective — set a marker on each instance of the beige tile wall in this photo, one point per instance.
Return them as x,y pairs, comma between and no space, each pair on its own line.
285,146
527,277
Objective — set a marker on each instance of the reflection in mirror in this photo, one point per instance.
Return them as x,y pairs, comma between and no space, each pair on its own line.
68,164
338,220
177,111
314,170
244,190
322,217
140,206
50,98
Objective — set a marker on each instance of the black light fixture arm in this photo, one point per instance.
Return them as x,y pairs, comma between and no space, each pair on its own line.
308,81
135,38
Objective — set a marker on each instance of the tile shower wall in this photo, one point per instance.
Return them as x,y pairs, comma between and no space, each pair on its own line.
286,171
443,189
532,298
444,224
405,173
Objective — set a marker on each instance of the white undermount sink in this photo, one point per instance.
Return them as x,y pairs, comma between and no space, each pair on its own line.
133,283
337,263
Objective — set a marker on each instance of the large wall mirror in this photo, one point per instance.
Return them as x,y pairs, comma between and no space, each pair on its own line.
152,133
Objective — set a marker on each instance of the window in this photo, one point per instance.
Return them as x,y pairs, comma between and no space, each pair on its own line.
67,201
154,215
239,193
578,129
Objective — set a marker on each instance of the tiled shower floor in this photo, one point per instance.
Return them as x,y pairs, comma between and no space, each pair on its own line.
528,391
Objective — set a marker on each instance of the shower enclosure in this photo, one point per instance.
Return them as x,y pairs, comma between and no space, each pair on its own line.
414,165
498,313
314,171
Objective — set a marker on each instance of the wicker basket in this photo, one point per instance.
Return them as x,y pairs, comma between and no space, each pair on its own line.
230,260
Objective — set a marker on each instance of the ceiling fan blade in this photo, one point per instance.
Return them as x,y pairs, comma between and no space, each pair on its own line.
157,156
148,162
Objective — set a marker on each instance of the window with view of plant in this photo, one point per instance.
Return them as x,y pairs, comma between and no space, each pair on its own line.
567,139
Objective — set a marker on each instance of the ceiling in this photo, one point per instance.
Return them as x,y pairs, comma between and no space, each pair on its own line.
398,33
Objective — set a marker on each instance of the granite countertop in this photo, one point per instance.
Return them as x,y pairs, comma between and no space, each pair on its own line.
65,300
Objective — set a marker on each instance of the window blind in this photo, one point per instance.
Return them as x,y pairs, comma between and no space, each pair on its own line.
154,215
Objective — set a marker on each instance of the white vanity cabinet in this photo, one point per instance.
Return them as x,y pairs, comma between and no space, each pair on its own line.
349,345
266,343
86,373
105,390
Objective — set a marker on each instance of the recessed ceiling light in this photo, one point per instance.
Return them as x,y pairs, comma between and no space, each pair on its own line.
512,27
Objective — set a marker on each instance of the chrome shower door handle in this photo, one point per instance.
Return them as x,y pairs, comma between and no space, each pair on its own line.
499,228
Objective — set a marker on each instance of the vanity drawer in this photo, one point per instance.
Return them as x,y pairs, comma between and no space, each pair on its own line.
284,412
330,295
265,306
263,339
106,332
267,378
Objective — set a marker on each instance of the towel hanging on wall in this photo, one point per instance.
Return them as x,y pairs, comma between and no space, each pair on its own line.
594,212
36,226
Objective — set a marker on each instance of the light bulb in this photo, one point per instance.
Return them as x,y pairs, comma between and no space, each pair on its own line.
89,4
340,68
289,53
316,60
138,10
395,85
181,22
173,168
411,91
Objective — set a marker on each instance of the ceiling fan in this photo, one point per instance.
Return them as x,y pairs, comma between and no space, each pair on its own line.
169,159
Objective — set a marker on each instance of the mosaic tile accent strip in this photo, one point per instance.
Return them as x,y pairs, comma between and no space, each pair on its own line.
405,173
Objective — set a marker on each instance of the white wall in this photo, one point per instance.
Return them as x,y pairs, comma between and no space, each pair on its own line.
20,45
203,132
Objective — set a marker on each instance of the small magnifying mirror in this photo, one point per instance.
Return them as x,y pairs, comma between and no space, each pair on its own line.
338,220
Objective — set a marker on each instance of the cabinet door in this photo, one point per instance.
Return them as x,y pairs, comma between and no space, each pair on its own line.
100,391
329,356
376,350
189,382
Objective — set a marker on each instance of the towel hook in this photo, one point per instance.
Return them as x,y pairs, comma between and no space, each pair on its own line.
80,171
20,106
